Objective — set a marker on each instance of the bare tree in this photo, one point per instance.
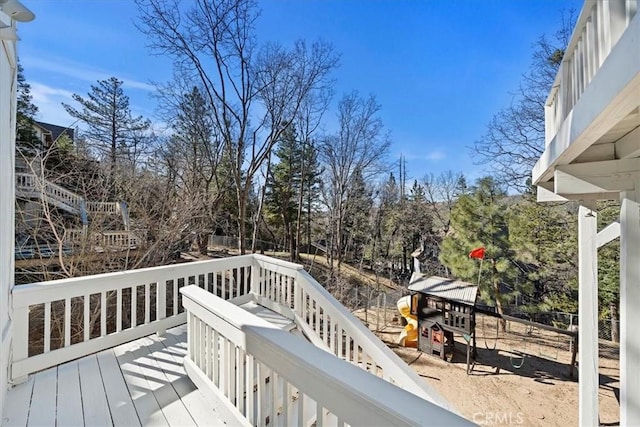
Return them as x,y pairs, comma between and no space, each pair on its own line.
358,149
254,92
514,139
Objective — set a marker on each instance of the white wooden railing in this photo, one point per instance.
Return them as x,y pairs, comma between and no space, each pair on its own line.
103,207
62,320
105,239
256,374
97,312
288,289
30,185
600,25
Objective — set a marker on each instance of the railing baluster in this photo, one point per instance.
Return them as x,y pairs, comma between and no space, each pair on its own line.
86,307
47,327
286,402
250,390
216,358
319,415
240,380
274,398
119,310
215,284
325,336
134,306
147,303
260,394
103,313
161,300
301,420
223,283
67,322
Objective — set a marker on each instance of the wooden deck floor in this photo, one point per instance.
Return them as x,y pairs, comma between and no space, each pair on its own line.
139,383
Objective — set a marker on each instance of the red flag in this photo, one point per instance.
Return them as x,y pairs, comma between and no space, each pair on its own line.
477,253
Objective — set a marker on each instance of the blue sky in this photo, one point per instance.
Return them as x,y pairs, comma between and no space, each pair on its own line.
440,68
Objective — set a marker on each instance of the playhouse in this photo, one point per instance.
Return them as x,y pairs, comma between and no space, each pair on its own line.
438,309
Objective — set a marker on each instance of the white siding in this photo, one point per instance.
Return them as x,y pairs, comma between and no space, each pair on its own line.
7,189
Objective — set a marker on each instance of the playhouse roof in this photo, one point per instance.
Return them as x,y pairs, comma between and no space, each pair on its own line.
450,289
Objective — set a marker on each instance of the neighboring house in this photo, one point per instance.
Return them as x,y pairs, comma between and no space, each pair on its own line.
49,133
36,184
592,153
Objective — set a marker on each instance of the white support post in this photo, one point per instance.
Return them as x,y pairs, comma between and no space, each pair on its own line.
629,304
588,315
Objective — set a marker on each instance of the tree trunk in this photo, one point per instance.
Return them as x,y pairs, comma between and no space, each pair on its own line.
613,308
498,296
258,214
242,226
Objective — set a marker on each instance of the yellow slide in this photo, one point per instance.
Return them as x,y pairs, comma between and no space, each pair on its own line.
409,335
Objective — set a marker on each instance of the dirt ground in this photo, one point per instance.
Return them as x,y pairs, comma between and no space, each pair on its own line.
496,392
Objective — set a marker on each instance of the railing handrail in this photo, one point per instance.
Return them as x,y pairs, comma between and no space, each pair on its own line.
52,290
341,388
394,368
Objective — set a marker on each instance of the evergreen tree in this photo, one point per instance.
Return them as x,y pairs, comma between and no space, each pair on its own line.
284,187
609,270
292,191
479,219
111,129
357,232
416,221
26,112
544,237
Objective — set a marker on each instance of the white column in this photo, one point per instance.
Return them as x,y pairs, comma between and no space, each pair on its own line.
630,308
588,315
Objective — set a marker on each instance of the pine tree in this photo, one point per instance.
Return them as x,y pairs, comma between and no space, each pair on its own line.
111,128
416,221
26,112
479,220
544,238
284,187
357,232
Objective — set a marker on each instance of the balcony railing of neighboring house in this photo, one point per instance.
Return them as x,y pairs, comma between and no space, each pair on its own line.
103,207
600,25
29,185
257,374
106,240
97,312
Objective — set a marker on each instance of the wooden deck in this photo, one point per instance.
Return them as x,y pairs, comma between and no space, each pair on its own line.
138,383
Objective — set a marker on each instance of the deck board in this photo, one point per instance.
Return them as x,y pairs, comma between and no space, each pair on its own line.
69,395
94,399
172,406
16,411
120,404
44,393
147,407
171,361
142,382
